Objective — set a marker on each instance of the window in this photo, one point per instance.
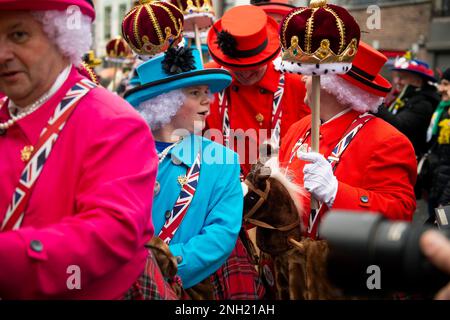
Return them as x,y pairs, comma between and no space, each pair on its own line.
107,21
122,12
441,8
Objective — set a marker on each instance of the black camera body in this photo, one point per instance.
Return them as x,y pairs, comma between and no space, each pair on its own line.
372,255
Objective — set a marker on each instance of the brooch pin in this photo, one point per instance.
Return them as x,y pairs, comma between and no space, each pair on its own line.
182,180
26,153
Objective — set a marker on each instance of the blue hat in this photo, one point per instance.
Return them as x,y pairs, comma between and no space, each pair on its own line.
177,68
415,66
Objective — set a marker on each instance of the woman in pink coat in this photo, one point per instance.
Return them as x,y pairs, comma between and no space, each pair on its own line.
75,183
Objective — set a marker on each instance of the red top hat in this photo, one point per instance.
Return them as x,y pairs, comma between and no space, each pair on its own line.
244,38
151,28
86,6
319,39
365,71
281,7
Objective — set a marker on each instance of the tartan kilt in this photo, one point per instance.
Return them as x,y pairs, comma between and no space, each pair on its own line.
237,278
151,284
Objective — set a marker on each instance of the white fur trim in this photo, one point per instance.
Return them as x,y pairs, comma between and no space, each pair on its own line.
191,34
311,69
119,60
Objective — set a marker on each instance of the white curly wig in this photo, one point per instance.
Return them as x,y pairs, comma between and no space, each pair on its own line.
72,41
159,110
350,95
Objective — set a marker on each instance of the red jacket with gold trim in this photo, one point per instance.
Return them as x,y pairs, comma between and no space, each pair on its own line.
376,172
248,104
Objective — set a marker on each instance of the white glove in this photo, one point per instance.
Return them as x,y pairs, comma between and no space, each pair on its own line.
319,179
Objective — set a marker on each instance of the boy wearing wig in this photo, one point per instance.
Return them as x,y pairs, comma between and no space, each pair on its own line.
198,199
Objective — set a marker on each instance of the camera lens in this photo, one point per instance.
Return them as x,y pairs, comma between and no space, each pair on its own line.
362,244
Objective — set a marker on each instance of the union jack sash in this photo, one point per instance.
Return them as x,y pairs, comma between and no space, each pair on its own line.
183,202
333,159
33,168
276,114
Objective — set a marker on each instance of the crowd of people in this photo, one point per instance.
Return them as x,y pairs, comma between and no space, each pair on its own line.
92,178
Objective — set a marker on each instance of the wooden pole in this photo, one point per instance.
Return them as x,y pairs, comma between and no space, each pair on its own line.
114,77
315,124
198,43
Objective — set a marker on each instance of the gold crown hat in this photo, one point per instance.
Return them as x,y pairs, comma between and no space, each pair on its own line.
196,12
91,60
319,39
152,27
117,50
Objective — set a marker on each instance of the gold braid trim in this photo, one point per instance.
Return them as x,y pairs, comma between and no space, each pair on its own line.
135,27
286,23
91,73
309,31
155,24
177,24
341,28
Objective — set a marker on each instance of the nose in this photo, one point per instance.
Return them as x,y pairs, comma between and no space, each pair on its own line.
206,99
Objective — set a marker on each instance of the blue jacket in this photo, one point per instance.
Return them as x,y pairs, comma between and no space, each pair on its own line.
208,232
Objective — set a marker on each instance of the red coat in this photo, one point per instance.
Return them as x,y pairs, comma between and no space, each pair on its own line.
376,172
249,101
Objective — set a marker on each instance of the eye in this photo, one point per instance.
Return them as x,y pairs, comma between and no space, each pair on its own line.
195,93
19,36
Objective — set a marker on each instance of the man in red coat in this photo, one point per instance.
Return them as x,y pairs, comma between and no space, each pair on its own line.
261,103
375,170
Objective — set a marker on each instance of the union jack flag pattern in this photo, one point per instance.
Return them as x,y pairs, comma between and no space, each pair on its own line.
277,113
357,124
16,209
183,202
333,159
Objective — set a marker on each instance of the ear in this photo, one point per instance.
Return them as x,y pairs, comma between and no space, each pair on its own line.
267,150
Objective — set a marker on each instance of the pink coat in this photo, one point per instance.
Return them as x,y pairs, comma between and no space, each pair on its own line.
91,206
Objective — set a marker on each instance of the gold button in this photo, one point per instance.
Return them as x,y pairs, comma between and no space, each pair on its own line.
259,117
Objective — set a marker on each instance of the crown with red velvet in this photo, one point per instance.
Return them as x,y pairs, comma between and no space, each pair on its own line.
118,48
196,12
152,27
319,39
